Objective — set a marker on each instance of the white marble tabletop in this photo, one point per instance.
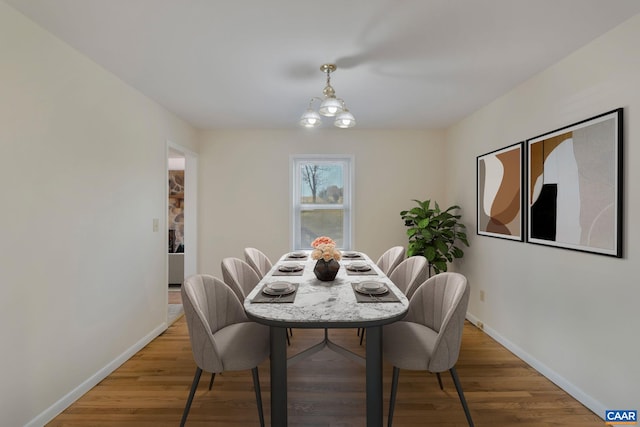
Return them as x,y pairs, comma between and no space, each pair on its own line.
326,304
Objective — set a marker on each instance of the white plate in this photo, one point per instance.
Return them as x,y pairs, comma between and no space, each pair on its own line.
371,288
278,288
290,267
358,266
350,254
268,291
297,255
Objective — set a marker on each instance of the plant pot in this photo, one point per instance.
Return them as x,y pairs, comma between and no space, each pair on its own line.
326,271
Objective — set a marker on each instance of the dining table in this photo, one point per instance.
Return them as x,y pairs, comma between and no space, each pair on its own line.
291,296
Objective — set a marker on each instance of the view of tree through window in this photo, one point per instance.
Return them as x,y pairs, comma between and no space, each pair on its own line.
323,183
321,201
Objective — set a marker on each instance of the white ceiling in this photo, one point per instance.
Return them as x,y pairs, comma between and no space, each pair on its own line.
414,64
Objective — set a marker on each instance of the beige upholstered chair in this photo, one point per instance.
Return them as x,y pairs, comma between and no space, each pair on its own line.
429,337
239,276
258,261
410,274
222,338
389,260
407,276
242,278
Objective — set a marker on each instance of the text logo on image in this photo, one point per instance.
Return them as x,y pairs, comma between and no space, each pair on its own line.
620,417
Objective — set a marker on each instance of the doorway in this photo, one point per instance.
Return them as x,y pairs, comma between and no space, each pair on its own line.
181,223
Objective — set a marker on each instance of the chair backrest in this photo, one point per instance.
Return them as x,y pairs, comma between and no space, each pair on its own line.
389,260
239,276
440,303
209,305
258,261
409,274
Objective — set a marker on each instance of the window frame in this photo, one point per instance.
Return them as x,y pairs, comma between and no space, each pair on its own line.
296,184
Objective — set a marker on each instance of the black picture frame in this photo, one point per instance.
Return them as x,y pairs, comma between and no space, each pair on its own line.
574,186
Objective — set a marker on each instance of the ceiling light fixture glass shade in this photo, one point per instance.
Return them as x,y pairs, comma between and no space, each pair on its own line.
310,119
330,106
345,120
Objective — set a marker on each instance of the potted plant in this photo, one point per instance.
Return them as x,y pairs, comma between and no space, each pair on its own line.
433,233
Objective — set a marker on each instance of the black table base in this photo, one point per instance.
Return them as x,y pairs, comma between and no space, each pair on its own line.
372,362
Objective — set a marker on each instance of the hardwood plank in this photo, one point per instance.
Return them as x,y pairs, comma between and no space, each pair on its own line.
174,295
324,390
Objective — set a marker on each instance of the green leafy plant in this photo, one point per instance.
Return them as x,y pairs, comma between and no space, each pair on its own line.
434,233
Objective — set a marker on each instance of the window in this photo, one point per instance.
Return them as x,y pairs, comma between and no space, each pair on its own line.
321,199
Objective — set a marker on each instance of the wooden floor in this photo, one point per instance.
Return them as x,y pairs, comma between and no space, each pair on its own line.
325,390
174,295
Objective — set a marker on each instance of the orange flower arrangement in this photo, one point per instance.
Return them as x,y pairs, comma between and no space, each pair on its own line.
325,248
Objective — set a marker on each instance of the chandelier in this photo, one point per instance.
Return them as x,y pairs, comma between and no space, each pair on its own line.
330,106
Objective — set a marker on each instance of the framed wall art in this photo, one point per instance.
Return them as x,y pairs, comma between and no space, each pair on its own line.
574,186
499,193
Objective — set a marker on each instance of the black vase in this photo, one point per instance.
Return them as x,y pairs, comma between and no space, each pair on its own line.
326,270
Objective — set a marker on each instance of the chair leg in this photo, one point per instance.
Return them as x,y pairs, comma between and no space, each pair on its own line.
256,386
362,335
213,375
394,390
290,332
439,380
194,386
456,381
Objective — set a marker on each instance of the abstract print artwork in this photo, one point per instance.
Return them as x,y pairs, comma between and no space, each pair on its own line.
574,196
500,193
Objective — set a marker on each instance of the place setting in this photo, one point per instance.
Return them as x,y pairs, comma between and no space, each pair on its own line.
352,255
289,269
299,255
373,291
277,292
359,268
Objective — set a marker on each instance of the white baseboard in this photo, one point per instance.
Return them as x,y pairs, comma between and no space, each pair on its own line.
596,407
62,404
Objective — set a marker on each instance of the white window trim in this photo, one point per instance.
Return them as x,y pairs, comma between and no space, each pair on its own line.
347,196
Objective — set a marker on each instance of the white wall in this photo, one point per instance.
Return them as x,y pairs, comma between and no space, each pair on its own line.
573,315
82,167
244,186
